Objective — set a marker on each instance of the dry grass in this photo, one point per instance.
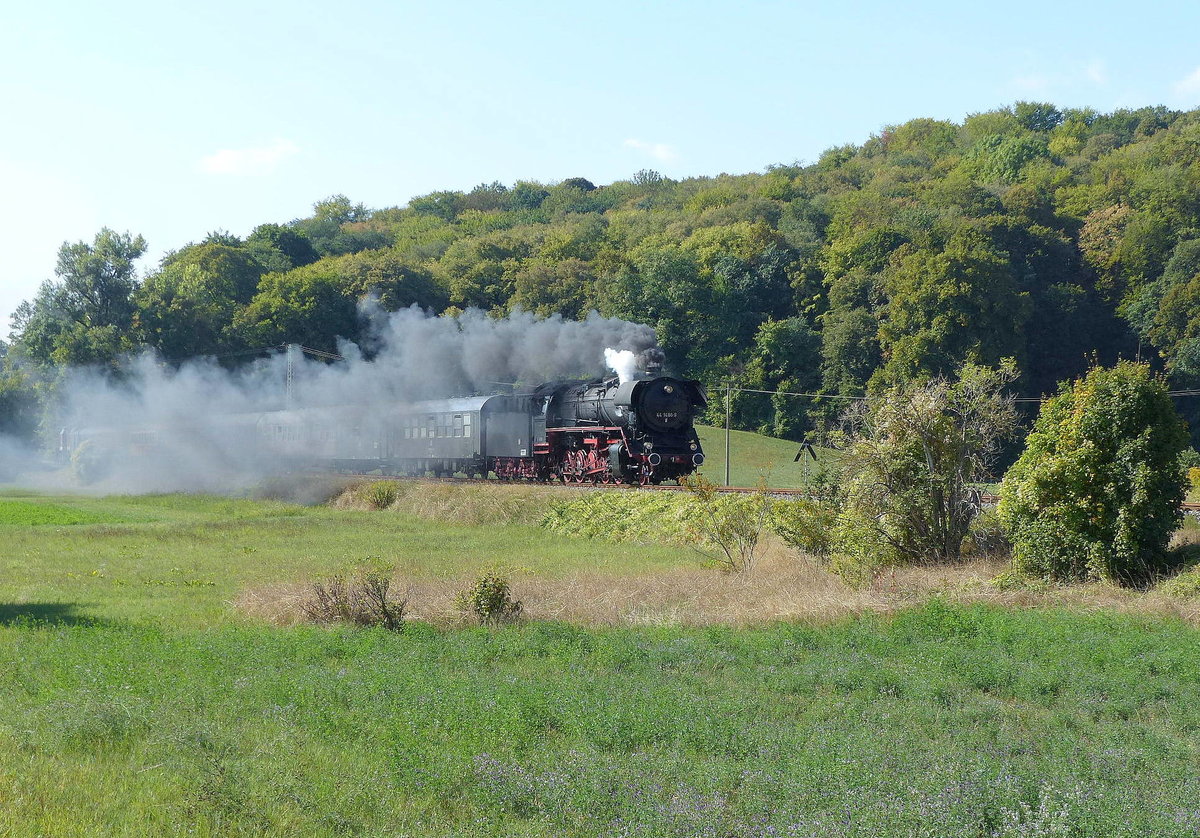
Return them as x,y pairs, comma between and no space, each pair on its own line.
475,503
784,587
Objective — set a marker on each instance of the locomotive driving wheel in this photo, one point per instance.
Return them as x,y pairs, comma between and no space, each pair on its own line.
575,467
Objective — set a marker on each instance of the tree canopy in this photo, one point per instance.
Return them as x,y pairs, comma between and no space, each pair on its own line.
1054,236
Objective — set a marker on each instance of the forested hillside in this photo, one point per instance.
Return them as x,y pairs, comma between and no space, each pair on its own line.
1046,235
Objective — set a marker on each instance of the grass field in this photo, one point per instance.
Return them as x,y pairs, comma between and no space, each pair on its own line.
138,696
753,457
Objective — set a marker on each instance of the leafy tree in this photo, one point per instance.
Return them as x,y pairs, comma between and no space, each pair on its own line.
487,197
581,183
1001,159
912,458
527,195
648,178
19,404
280,248
85,317
444,205
945,307
480,271
187,307
1096,493
338,226
391,279
223,237
786,357
306,306
1038,116
849,350
338,209
663,285
546,287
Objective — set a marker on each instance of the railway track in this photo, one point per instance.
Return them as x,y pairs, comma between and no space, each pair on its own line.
625,487
986,499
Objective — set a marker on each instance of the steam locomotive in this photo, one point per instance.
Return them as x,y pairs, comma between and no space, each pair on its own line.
601,431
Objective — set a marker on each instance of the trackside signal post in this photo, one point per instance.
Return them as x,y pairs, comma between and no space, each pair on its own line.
805,448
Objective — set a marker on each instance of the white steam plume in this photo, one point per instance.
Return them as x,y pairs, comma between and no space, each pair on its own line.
624,362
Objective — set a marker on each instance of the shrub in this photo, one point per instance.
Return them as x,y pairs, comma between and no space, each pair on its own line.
363,600
911,459
621,515
1096,493
490,600
727,528
987,537
90,463
380,494
1185,585
1194,478
804,524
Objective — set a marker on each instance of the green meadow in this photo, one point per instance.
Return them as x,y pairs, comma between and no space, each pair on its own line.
136,698
754,458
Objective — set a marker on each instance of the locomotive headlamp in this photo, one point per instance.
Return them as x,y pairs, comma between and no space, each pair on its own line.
693,446
667,388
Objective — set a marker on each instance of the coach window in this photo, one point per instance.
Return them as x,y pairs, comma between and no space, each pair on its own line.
431,426
466,424
458,425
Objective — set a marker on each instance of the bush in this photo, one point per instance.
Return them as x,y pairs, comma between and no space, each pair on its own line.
90,463
362,600
380,495
727,528
1185,585
621,515
804,524
987,537
911,459
490,600
1194,478
1096,493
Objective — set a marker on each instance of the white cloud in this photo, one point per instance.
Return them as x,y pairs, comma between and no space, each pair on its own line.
1031,84
249,161
1096,72
659,151
1068,81
1190,85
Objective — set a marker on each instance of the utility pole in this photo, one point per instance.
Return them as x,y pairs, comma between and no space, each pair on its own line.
728,398
290,376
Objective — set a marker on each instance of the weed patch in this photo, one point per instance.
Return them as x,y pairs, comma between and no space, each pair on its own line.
362,598
29,513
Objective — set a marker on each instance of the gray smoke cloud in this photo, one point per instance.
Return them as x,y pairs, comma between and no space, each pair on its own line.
202,418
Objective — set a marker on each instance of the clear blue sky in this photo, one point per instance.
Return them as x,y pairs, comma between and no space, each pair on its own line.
171,120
